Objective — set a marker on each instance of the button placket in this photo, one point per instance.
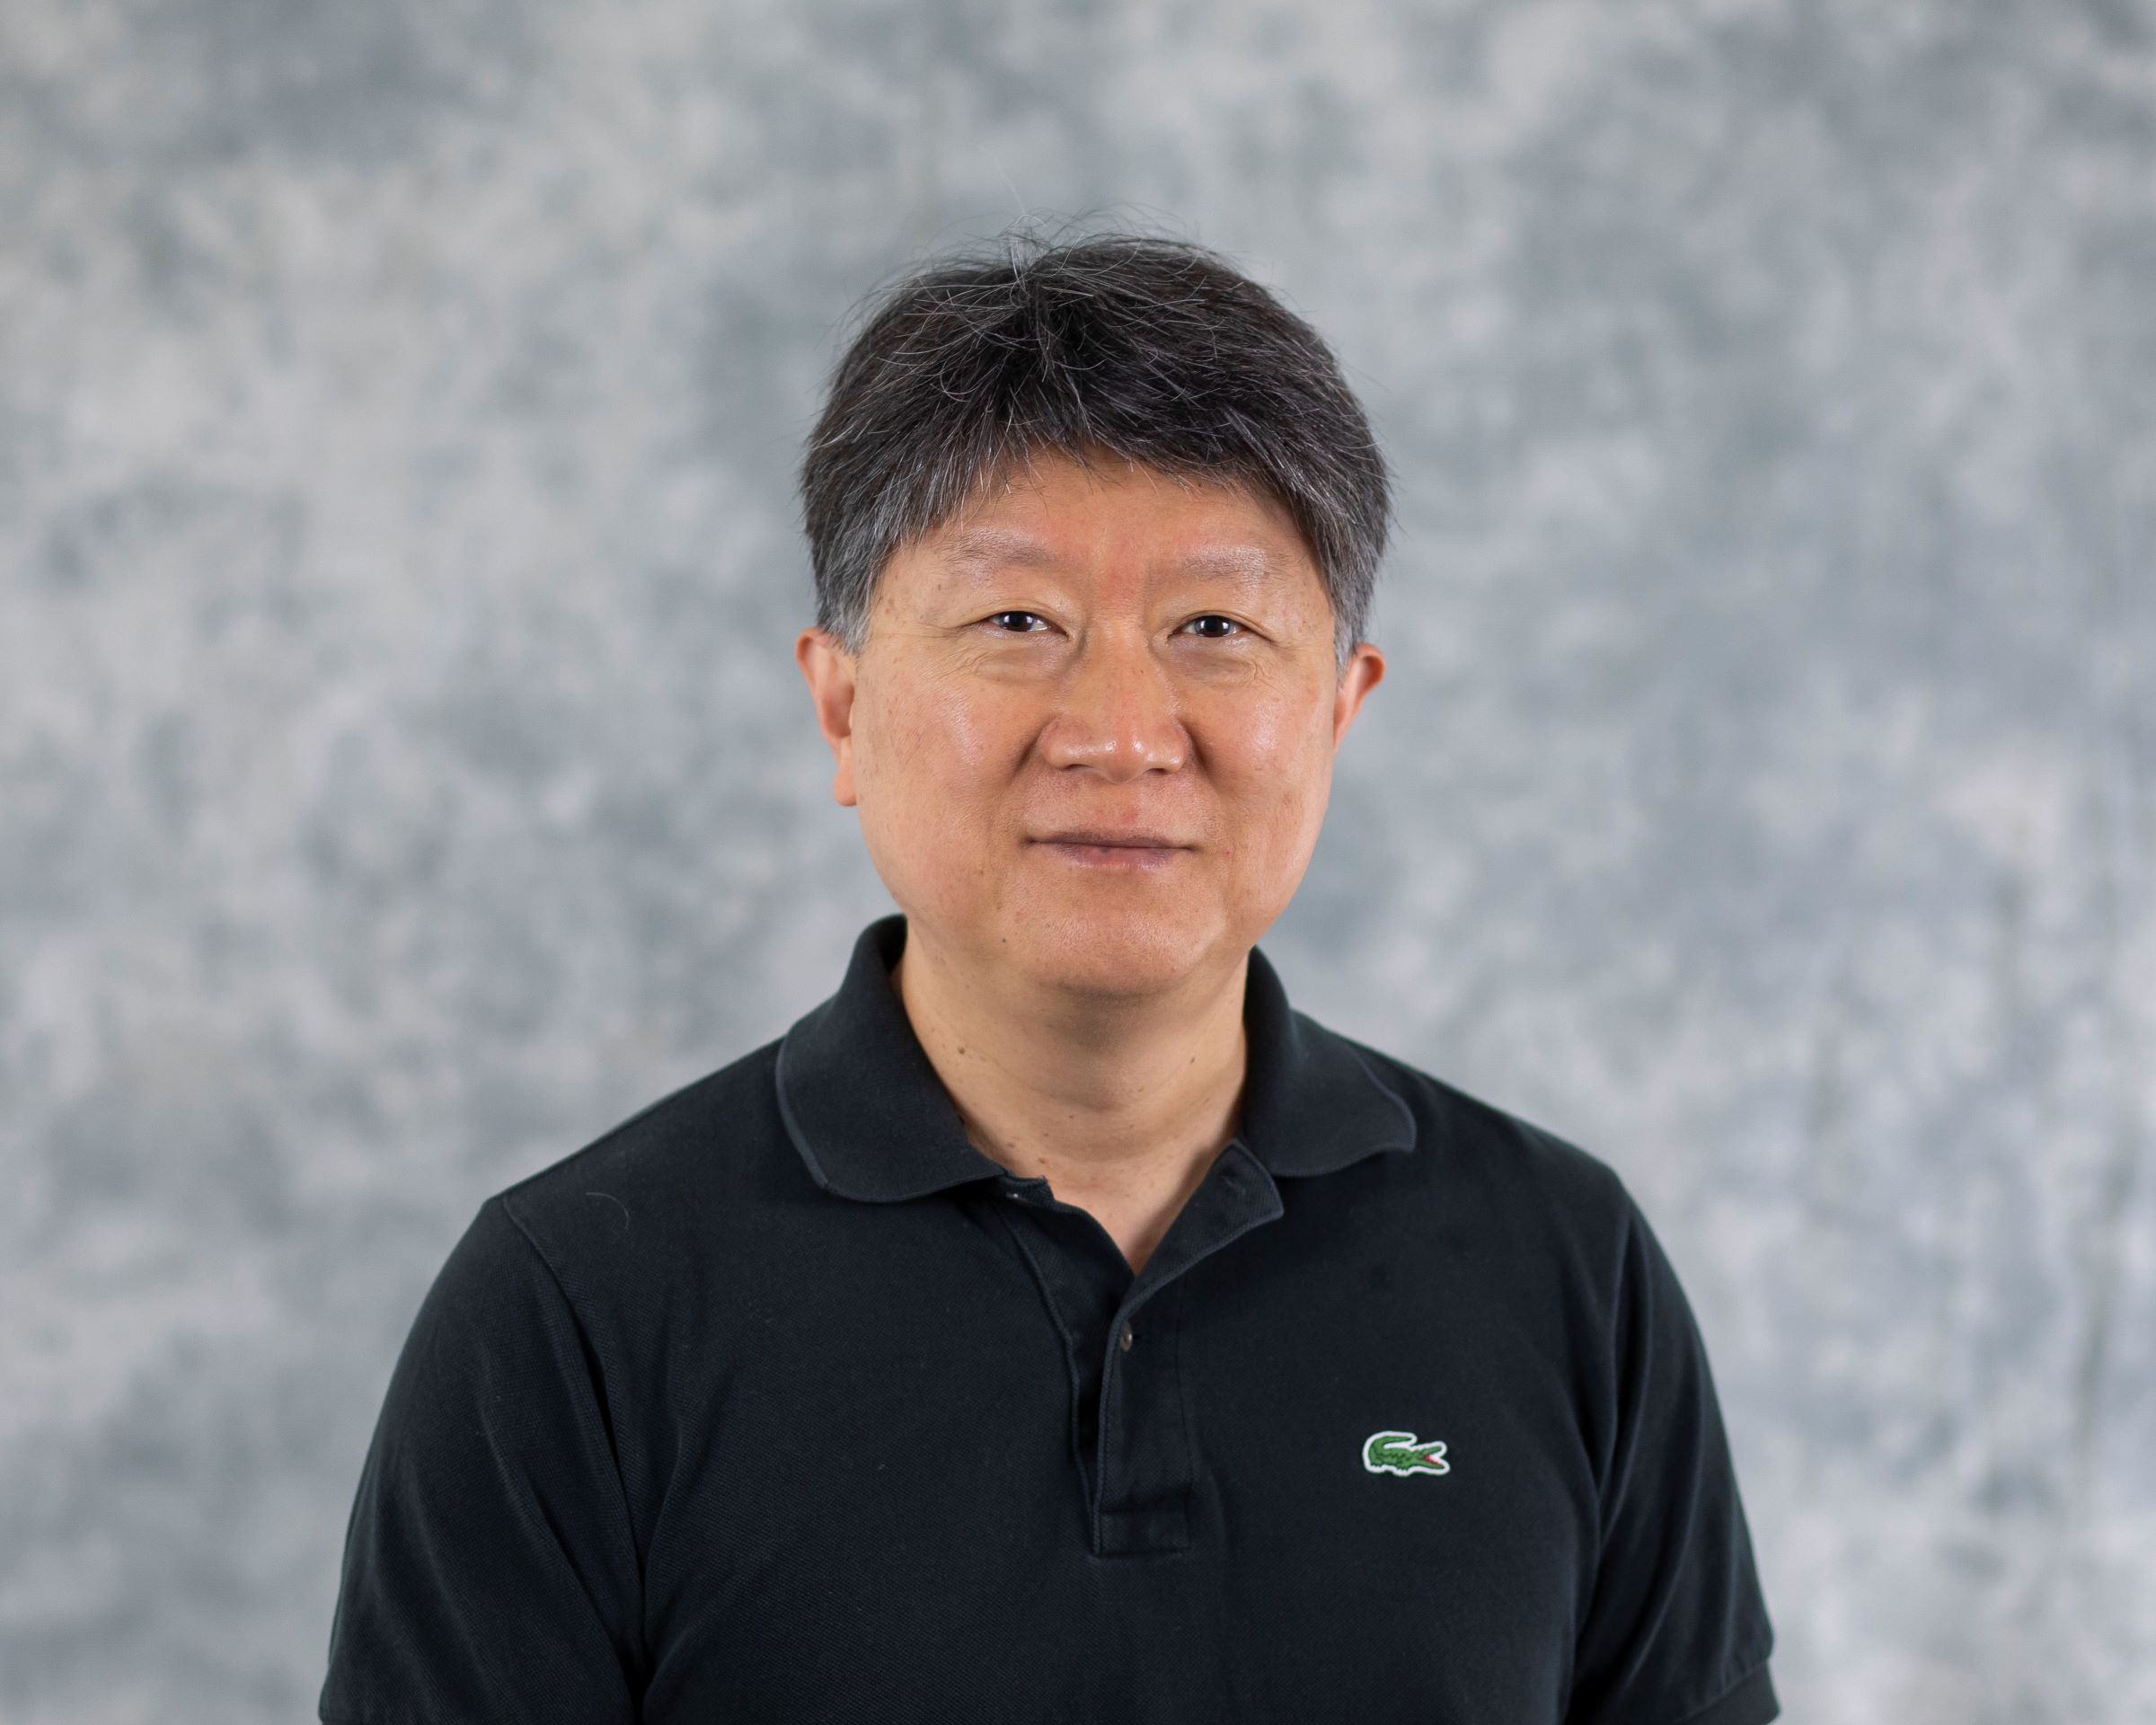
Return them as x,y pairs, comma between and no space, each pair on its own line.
1145,1464
1134,1446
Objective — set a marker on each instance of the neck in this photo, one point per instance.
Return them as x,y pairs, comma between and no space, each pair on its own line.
1121,1100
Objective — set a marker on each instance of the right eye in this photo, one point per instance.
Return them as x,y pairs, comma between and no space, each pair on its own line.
997,619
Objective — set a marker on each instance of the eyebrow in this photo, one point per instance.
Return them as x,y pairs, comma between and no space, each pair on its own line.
981,551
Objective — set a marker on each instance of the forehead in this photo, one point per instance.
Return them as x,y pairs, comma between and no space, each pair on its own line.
1056,514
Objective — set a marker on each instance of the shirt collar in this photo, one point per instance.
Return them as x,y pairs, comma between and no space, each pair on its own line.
872,1120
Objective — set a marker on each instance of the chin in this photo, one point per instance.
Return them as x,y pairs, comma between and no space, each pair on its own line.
1108,949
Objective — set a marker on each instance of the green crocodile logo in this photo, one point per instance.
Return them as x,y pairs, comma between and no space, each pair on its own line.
1398,1452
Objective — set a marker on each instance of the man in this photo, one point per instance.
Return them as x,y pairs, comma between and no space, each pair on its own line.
1054,1324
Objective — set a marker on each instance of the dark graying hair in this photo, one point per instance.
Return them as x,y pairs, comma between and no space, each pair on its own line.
1154,349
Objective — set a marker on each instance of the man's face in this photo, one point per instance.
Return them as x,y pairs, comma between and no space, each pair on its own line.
1104,653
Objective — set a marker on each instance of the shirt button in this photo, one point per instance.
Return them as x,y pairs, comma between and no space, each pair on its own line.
1127,1339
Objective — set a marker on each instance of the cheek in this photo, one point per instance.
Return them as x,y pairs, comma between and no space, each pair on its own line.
932,747
1269,724
1273,766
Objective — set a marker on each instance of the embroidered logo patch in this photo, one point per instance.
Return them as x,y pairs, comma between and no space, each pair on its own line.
1398,1452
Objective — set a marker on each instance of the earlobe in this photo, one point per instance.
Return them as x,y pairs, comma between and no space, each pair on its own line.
842,781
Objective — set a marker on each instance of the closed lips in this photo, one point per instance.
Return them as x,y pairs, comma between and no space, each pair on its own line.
1146,841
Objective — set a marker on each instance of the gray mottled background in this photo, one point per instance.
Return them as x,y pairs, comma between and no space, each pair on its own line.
403,775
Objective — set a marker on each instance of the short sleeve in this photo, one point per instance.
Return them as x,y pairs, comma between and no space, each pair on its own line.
489,1570
1676,1633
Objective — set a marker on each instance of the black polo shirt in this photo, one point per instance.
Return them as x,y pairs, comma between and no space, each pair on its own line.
781,1401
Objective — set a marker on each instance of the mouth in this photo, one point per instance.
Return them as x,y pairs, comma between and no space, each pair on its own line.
1100,838
1143,852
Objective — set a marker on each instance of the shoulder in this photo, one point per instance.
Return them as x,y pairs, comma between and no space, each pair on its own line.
668,1178
1512,1170
1543,1225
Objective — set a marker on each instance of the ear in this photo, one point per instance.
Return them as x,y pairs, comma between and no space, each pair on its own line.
1365,668
830,669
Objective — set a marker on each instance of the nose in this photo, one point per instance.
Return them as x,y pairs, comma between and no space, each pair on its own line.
1115,711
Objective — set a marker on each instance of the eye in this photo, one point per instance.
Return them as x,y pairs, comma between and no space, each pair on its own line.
1022,628
1212,635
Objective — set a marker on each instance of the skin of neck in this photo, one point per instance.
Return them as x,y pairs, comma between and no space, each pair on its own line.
1122,1102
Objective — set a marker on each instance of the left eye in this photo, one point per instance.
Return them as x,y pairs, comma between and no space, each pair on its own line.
1213,634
